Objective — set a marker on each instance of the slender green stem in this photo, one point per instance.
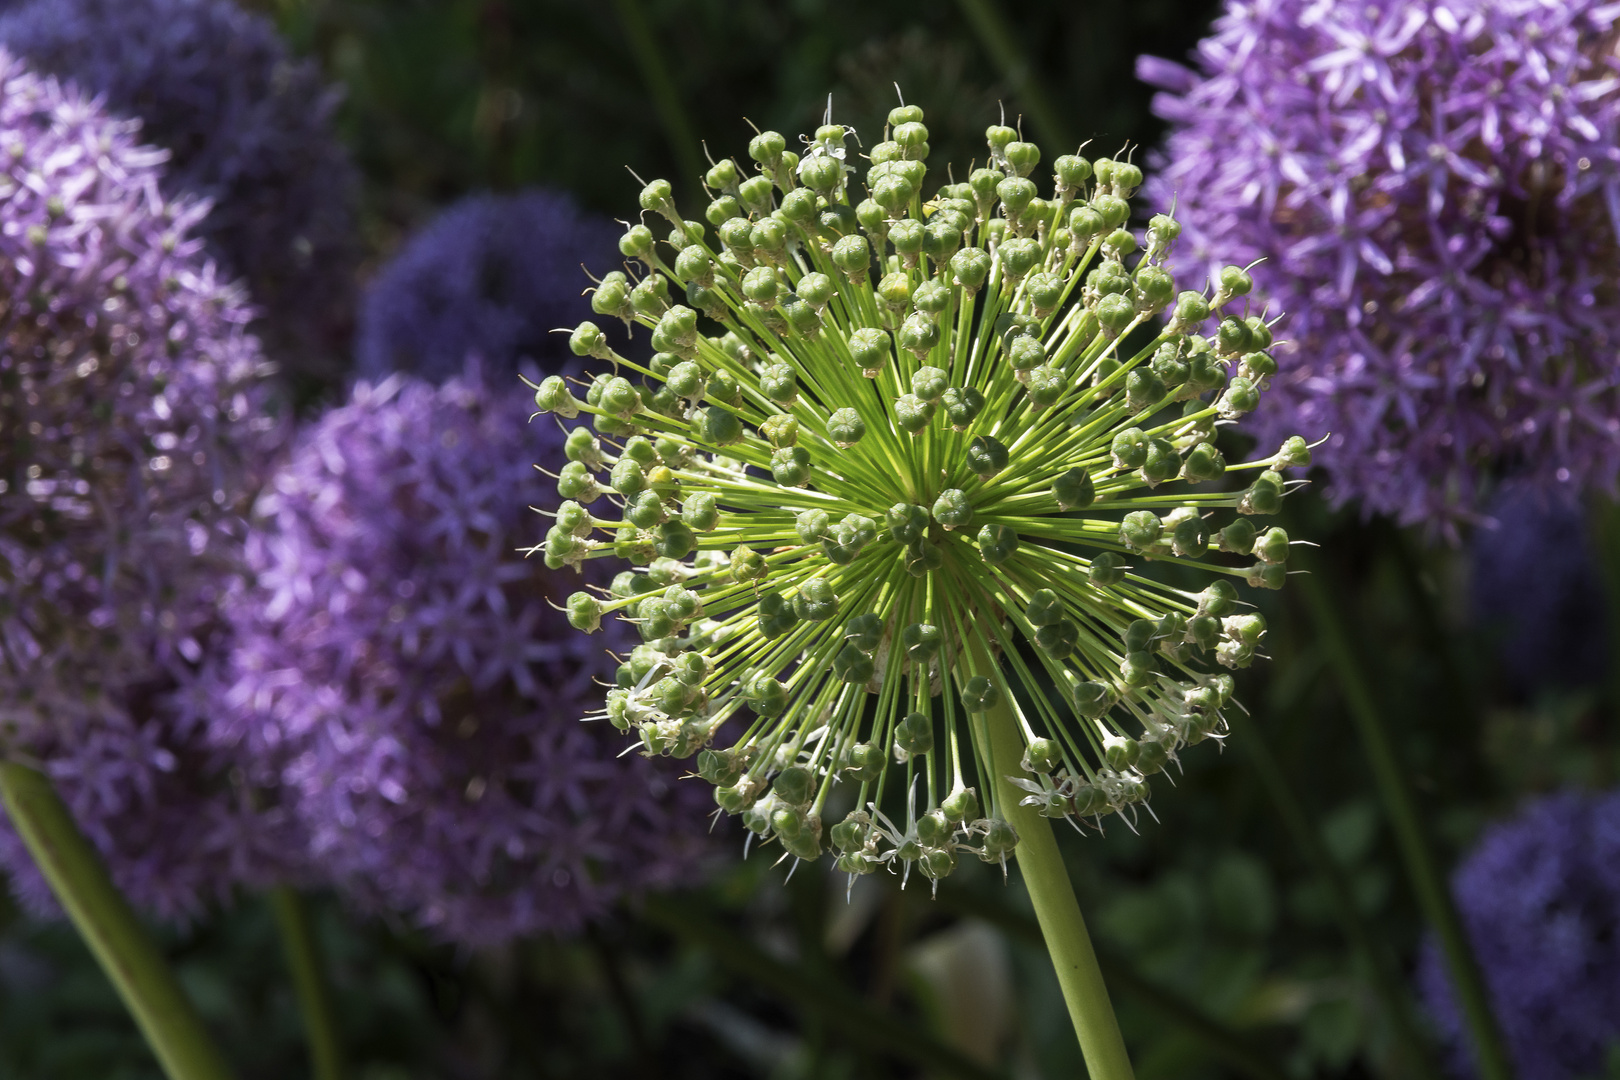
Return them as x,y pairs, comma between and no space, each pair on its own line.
105,922
1422,869
1374,959
1052,895
666,99
309,982
998,40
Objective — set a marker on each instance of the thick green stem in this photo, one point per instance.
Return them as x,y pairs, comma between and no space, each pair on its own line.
309,982
1052,895
666,100
105,922
1422,870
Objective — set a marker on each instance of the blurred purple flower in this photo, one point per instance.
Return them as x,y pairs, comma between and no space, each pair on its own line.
1540,898
249,127
491,277
1436,188
1537,591
403,679
131,417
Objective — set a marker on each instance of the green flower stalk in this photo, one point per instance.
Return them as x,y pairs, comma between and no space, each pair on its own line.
912,489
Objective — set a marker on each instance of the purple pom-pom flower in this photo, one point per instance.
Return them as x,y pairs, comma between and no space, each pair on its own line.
404,680
495,276
249,127
131,418
1540,898
1436,190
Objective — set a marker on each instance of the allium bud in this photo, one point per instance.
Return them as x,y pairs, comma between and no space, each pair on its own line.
975,469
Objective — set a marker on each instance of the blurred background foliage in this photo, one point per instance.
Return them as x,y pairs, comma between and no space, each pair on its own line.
1229,949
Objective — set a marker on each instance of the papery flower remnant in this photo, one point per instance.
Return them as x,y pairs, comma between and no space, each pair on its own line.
1540,898
403,684
1436,190
493,277
248,126
922,473
132,418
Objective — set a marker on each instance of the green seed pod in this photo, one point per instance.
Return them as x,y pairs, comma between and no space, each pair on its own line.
1138,669
970,268
921,642
584,612
1107,568
941,239
1018,257
816,289
1140,530
1113,210
659,197
1085,225
987,455
694,264
869,347
1129,448
1295,454
813,525
582,446
673,540
894,194
923,558
700,512
913,736
1238,537
962,406
1093,699
756,193
1058,640
1204,631
769,237
1119,243
952,509
1070,171
907,524
912,413
1025,353
588,340
1203,462
907,237
576,482
737,235
1074,490
1189,537
1044,608
722,210
1045,291
1218,599
722,768
627,477
790,466
1120,753
776,616
928,383
1162,463
980,695
931,297
918,334
633,545
1271,546
864,632
1041,756
997,543
761,285
1264,495
846,428
747,564
1047,385
780,383
1240,397
780,431
637,242
1248,629
645,510
1115,313
815,601
822,175
719,427
863,764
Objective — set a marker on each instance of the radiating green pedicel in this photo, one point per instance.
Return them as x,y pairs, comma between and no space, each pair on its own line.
885,434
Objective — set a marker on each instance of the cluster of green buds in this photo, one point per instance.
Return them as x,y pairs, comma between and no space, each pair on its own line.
891,468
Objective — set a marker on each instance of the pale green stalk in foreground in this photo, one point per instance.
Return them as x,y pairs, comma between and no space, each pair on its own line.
104,920
1052,895
309,982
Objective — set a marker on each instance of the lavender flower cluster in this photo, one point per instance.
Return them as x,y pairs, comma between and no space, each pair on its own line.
1540,898
131,419
1436,188
403,680
493,277
249,127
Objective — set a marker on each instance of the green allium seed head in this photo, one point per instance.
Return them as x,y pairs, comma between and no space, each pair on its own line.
912,467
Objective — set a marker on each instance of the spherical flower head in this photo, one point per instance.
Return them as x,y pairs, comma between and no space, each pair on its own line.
924,473
132,412
1536,591
1436,190
1540,898
492,277
405,686
248,126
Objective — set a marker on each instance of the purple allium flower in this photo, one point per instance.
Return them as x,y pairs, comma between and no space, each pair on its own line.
494,277
1536,589
1436,188
131,416
1540,899
403,676
249,127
